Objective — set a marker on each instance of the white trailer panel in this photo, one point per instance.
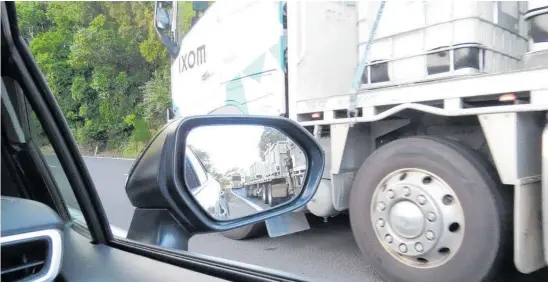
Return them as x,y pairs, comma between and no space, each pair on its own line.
257,170
323,42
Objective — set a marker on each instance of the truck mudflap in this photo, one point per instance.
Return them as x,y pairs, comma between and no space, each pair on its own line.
529,254
514,140
287,224
544,185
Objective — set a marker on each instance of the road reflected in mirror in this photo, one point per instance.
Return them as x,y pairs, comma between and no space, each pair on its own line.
238,170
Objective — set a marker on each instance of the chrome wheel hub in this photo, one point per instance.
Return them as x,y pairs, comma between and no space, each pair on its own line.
407,219
417,217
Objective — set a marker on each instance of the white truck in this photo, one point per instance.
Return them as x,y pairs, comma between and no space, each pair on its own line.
280,176
432,115
236,180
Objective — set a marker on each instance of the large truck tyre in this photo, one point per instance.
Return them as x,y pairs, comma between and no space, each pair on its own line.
247,232
264,194
430,209
269,198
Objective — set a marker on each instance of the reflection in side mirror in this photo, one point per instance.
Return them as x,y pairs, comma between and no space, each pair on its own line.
238,170
162,19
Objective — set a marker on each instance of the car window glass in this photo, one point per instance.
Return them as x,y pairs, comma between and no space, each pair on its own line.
39,138
197,166
57,172
190,175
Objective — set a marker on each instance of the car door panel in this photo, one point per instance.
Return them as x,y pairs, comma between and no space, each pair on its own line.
83,261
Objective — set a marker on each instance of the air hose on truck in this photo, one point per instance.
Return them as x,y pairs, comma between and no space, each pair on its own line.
352,110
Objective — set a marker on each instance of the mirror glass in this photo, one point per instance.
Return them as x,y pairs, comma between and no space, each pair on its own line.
162,19
238,170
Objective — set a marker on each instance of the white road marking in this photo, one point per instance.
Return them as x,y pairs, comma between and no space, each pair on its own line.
253,205
123,159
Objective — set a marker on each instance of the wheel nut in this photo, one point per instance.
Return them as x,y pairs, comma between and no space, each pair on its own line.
421,199
406,191
391,194
381,206
431,216
388,239
419,247
403,248
380,223
430,235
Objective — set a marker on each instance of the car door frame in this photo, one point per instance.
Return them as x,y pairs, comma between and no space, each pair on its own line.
56,128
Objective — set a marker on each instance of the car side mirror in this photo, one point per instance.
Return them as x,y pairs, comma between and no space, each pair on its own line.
176,182
162,24
162,19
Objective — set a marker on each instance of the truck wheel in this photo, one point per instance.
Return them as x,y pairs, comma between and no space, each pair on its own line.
269,197
263,195
246,232
430,209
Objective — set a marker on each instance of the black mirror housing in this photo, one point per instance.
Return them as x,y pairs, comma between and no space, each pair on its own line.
155,181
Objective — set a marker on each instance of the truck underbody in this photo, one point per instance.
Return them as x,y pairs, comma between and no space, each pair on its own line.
509,134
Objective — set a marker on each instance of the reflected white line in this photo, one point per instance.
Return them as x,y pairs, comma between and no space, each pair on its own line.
253,205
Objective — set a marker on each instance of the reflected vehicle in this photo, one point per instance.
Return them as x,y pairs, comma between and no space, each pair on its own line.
205,189
259,170
236,181
275,179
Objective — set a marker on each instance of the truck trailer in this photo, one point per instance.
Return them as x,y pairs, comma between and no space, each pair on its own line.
280,176
432,116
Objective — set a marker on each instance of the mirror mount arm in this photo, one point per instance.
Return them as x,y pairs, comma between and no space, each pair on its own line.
172,48
158,227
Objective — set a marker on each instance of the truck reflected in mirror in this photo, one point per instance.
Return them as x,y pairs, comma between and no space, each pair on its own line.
238,170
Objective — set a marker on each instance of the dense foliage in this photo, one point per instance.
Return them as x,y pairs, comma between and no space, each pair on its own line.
269,137
106,67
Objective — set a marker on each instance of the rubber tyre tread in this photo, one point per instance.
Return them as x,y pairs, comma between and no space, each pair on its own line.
247,232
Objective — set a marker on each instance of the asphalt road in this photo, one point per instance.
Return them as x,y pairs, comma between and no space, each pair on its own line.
109,176
259,205
327,252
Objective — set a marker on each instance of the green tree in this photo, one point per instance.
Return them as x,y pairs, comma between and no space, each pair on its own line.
105,66
157,96
204,157
268,137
